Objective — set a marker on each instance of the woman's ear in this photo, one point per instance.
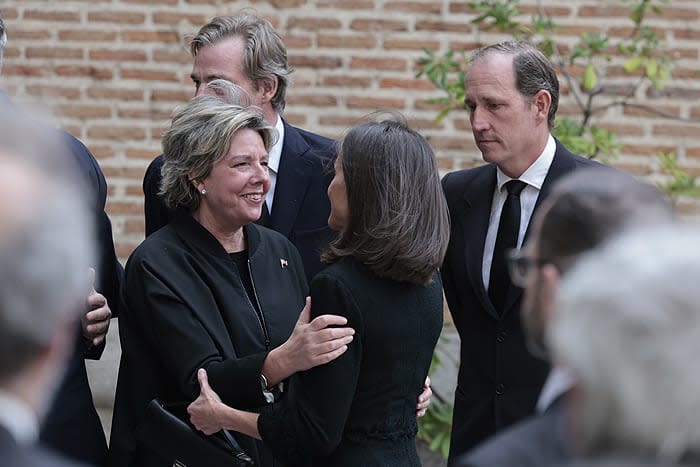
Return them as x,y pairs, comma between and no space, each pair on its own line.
196,183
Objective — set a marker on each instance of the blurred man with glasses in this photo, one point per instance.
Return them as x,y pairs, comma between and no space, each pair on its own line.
583,210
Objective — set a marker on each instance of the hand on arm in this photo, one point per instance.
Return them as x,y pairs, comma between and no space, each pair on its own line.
424,398
311,344
209,415
95,320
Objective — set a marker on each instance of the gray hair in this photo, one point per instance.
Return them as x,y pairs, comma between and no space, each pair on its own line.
199,136
265,54
46,240
628,323
3,39
533,71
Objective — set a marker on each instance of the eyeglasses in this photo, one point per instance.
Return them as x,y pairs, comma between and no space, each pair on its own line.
519,265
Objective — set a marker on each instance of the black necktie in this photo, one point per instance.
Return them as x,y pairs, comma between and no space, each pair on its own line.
507,238
265,218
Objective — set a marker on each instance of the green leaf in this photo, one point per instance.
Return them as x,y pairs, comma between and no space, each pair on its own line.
590,78
652,68
633,64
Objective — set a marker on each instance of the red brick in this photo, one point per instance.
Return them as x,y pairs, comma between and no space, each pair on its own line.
378,63
651,150
116,17
135,173
84,71
134,225
121,94
10,69
29,34
297,42
120,55
395,43
378,25
161,37
116,133
375,103
313,24
174,17
461,7
315,100
101,151
674,92
53,52
150,2
52,15
84,111
347,4
444,26
287,3
686,34
149,75
603,11
400,83
345,81
83,35
145,113
52,91
681,130
345,121
147,154
165,95
315,61
414,7
653,111
172,56
346,41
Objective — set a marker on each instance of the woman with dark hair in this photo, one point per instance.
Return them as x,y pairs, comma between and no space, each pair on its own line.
359,410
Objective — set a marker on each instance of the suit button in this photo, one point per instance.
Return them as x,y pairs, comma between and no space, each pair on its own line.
501,337
500,389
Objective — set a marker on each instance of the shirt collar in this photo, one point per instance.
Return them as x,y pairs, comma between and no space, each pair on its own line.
537,172
276,150
18,418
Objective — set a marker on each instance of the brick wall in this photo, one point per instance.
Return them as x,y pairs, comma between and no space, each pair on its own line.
111,72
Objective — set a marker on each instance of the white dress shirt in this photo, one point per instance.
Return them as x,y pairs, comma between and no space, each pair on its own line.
534,178
273,163
18,418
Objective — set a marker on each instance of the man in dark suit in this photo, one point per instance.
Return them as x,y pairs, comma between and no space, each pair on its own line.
512,95
72,425
584,209
246,50
46,247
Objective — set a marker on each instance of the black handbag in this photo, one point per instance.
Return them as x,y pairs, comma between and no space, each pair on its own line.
166,430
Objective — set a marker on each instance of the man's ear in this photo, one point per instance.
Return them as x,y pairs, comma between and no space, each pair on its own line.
550,285
542,101
268,88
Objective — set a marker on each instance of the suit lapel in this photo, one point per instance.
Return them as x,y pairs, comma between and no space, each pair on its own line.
292,179
474,218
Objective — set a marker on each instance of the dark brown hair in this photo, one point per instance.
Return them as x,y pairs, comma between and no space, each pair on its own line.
398,222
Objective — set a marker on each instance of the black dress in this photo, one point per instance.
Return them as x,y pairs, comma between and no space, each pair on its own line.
359,410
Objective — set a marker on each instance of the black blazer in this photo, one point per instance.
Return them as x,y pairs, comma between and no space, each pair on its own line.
301,206
499,380
16,455
185,307
537,441
72,426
